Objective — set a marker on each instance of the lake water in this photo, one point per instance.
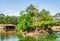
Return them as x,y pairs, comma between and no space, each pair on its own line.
8,37
14,37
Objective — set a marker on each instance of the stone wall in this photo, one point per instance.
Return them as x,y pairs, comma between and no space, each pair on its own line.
55,28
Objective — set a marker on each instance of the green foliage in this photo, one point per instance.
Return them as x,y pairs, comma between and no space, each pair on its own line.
57,17
31,17
45,15
51,37
8,19
30,9
24,21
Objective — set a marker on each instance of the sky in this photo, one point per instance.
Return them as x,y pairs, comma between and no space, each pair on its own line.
13,7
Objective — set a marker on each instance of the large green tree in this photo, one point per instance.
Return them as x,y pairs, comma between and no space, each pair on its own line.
32,18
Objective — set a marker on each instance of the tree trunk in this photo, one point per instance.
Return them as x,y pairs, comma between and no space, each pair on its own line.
36,29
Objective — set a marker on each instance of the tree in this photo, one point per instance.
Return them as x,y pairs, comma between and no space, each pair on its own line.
32,18
1,18
57,17
47,19
24,21
30,9
45,15
8,19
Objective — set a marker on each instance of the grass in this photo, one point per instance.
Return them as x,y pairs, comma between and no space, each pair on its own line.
50,37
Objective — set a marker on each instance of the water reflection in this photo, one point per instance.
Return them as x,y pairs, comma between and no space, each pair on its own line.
18,37
8,37
51,37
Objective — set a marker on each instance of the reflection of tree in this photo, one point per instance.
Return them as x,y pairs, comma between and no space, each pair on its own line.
7,37
2,37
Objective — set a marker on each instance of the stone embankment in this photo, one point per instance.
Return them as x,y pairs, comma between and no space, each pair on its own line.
56,28
1,28
39,33
34,34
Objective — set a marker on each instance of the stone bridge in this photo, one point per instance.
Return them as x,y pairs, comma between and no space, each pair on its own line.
7,27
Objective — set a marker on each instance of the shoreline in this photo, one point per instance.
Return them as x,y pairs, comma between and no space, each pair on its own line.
34,34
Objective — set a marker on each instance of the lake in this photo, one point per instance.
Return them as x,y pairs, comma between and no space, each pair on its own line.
15,37
8,37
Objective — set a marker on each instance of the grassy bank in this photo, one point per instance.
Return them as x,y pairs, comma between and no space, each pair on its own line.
50,37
